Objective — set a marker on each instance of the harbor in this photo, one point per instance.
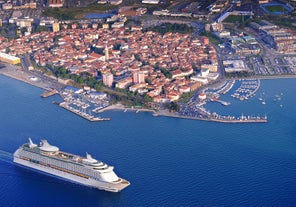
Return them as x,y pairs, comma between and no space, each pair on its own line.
85,103
244,89
247,89
85,115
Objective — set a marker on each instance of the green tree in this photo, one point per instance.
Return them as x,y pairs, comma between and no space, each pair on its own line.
173,107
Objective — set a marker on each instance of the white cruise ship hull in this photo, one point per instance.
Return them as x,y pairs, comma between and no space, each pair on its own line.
112,187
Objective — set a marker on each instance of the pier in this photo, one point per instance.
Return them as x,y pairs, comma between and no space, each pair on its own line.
87,116
224,103
47,93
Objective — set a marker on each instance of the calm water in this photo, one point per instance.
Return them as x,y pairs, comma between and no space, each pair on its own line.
169,162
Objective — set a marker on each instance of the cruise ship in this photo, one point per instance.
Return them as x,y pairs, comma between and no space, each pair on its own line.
83,170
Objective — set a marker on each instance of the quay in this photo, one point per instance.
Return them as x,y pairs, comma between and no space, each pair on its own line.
47,93
216,119
82,114
224,103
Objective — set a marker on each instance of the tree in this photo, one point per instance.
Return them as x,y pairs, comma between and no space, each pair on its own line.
41,28
173,106
116,47
148,80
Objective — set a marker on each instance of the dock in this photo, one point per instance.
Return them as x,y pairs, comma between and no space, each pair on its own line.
87,116
48,93
224,103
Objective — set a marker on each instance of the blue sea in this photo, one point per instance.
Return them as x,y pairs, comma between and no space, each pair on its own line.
169,161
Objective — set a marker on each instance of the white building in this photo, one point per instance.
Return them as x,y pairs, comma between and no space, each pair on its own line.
150,1
231,66
200,79
115,2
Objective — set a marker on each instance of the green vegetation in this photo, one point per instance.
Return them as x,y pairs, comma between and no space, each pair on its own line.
40,28
275,8
236,19
173,107
75,12
185,97
79,80
116,47
213,39
118,95
282,21
98,50
126,97
168,27
9,31
168,74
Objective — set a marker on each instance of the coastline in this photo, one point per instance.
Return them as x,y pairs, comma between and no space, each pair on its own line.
16,72
166,113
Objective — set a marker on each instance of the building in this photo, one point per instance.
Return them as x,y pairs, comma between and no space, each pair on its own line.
56,27
106,53
47,21
137,87
115,2
139,77
102,2
231,66
105,26
150,1
124,83
24,22
263,1
117,25
9,58
56,3
108,79
212,67
6,6
202,96
217,27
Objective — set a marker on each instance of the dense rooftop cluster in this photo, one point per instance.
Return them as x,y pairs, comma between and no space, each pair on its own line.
163,62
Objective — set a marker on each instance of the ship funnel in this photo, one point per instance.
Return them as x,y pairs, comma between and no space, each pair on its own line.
31,144
88,156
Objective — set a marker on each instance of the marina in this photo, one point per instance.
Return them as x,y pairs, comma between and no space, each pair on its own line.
85,115
196,109
247,89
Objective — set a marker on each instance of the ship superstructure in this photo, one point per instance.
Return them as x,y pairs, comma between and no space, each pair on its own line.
84,170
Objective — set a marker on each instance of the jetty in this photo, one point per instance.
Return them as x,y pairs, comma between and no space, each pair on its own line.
48,93
85,115
224,103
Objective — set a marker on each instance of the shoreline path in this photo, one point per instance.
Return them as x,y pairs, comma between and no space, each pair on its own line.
48,83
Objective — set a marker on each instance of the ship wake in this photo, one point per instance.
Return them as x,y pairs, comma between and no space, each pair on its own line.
6,156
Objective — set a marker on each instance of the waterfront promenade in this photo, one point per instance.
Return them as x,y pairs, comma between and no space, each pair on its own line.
18,73
33,78
222,119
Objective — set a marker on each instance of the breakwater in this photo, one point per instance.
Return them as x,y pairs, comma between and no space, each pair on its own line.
221,119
